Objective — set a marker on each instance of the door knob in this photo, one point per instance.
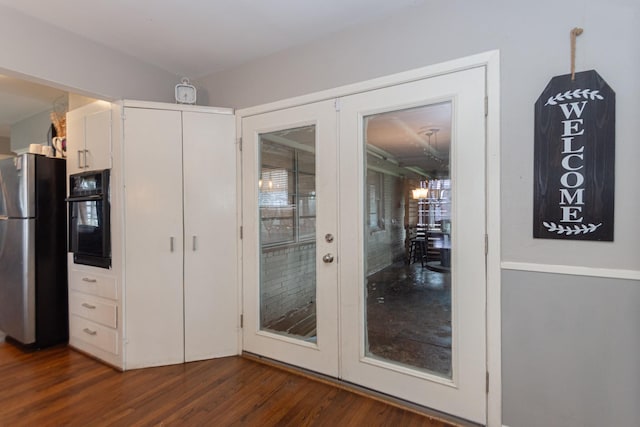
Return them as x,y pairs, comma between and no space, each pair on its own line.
328,258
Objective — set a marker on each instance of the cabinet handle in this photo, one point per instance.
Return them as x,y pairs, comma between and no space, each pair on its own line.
195,243
89,306
80,165
86,165
86,279
89,331
171,244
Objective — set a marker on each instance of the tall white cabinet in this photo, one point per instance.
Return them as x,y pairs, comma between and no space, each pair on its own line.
175,234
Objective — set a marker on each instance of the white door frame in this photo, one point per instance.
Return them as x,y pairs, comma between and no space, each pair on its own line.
490,60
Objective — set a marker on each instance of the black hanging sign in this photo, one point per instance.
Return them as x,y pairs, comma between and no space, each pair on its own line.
574,159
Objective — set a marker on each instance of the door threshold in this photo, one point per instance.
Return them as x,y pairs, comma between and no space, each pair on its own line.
363,391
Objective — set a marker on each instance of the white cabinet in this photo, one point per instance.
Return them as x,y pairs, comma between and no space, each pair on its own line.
210,236
171,295
180,233
89,138
94,313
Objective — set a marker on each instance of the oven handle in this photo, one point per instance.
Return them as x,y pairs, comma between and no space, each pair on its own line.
85,198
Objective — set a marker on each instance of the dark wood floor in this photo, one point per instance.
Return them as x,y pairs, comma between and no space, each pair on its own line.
61,387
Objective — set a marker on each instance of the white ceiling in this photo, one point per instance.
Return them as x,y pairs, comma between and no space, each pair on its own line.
194,38
189,38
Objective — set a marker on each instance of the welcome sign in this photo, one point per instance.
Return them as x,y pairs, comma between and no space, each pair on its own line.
574,159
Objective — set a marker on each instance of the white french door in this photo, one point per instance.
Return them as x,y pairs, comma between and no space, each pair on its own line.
457,385
290,291
349,272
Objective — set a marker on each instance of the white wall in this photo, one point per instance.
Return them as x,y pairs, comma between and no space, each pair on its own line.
32,130
39,52
533,39
577,325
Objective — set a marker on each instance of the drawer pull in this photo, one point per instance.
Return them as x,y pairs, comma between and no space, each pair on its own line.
89,331
86,279
89,306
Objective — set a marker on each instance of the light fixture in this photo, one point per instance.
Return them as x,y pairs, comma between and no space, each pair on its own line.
421,192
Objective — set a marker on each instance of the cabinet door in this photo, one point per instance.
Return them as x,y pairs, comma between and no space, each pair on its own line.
153,294
97,153
89,138
211,232
75,142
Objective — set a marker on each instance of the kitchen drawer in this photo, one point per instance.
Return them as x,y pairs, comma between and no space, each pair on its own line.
94,309
93,284
97,335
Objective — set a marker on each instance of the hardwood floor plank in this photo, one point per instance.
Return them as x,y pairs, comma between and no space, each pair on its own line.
61,387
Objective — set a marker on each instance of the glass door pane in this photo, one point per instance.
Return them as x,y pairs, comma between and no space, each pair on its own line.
287,206
407,238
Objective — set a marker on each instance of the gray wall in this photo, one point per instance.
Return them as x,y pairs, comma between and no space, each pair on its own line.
570,351
44,54
581,323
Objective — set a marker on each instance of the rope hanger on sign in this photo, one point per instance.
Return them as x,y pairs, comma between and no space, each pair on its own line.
574,33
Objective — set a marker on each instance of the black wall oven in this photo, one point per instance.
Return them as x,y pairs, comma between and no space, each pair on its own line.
89,218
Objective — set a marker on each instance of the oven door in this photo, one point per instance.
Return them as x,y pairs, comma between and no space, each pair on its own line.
89,234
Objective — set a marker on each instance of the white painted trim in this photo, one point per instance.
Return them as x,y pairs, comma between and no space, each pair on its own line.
573,270
494,299
239,220
179,107
490,60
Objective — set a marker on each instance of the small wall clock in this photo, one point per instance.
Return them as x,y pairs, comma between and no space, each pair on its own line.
185,92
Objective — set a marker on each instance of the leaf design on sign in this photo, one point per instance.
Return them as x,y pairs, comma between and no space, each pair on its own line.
574,94
552,227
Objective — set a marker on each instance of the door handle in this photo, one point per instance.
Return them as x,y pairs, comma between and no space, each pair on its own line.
171,244
328,258
80,165
195,243
85,158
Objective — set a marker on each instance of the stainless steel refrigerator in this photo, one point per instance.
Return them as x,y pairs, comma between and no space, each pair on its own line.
33,264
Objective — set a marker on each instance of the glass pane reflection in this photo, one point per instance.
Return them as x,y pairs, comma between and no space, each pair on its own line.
407,238
287,203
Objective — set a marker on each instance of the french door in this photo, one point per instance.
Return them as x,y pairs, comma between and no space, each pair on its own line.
364,242
290,291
